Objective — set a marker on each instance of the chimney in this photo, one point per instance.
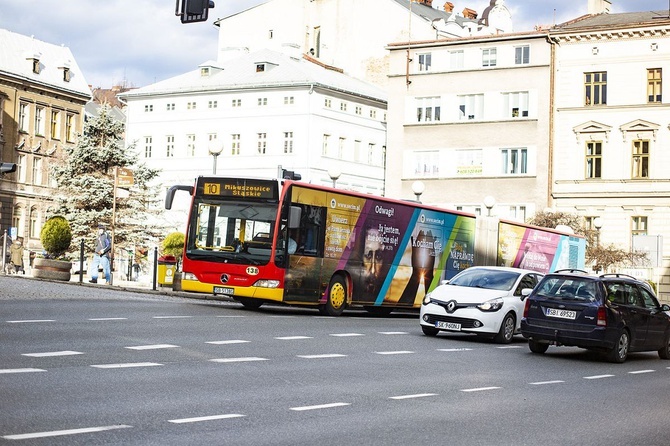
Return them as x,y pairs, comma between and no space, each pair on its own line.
448,7
469,13
600,6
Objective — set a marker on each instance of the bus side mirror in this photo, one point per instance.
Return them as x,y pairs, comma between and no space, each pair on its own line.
169,196
294,216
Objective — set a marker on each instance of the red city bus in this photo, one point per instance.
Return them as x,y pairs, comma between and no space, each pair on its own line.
260,240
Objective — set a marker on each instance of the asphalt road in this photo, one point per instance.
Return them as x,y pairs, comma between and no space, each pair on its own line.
87,365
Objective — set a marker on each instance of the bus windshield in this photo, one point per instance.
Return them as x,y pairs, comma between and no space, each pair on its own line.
232,231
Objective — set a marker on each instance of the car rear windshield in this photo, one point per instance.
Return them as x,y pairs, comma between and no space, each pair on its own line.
568,288
486,278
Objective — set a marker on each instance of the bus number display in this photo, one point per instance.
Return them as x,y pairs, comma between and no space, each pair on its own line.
246,189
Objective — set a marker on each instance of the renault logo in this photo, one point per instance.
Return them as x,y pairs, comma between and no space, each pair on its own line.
224,278
451,306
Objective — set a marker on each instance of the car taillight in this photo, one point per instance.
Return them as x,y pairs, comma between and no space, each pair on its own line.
602,317
526,307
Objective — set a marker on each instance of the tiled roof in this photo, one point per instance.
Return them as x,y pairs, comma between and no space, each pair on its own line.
598,21
281,71
429,13
17,50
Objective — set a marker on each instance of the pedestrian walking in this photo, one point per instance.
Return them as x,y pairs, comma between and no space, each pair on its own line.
103,246
16,256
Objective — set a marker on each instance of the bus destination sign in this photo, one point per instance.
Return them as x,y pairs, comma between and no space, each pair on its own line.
231,187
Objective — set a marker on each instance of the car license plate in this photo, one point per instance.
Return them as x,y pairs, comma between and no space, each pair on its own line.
223,290
448,326
564,314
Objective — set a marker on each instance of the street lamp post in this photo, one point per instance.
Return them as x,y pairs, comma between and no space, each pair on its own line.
418,188
215,150
597,223
334,174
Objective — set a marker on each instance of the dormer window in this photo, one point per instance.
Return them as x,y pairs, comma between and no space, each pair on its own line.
260,67
36,66
65,66
34,57
204,72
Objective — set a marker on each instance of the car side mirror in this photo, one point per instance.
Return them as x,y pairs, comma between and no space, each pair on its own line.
665,307
525,293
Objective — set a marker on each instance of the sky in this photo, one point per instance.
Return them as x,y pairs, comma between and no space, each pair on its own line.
139,42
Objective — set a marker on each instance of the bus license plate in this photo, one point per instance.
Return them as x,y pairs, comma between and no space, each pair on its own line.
563,314
223,290
448,326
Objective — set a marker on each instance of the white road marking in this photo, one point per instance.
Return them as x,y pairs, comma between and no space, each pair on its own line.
509,346
234,315
598,376
152,347
84,430
172,317
320,406
345,335
247,359
480,389
293,338
46,354
108,319
126,365
464,349
393,332
30,321
207,418
417,395
397,352
21,370
332,355
231,341
540,383
637,372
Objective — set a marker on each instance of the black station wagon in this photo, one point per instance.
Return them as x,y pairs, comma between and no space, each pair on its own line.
613,313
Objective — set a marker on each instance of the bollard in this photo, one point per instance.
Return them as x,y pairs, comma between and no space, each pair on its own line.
155,266
81,261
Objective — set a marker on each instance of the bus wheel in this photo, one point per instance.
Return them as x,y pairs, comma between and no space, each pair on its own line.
252,304
337,297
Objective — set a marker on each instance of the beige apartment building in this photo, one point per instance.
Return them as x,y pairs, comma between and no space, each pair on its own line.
42,98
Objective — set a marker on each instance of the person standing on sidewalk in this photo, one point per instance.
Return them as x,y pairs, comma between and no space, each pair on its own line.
103,246
16,256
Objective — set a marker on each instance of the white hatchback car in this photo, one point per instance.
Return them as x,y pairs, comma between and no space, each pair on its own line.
484,300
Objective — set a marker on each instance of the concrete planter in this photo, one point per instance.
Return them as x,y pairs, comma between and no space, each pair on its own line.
51,269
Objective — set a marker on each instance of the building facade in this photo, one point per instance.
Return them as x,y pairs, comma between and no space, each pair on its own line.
259,113
42,98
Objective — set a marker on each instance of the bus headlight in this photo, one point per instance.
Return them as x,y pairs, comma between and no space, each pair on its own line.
188,276
265,283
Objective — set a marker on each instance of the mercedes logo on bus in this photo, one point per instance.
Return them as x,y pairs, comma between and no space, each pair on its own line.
224,278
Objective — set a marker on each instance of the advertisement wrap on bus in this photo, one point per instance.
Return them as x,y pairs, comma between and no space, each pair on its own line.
314,245
539,249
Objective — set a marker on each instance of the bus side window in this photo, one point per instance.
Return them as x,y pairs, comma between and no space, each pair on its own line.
312,232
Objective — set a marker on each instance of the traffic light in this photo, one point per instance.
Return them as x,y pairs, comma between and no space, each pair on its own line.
193,10
7,168
290,175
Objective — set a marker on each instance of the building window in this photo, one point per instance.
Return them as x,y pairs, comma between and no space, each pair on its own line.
39,121
69,127
237,102
471,106
288,100
517,213
190,105
594,158
324,145
55,124
373,114
235,144
327,102
21,168
426,164
340,147
372,155
424,62
66,74
37,170
169,149
638,225
595,88
170,106
260,67
36,66
343,106
357,151
262,143
262,102
654,83
24,116
212,104
148,108
190,145
516,104
489,57
148,141
359,110
514,161
456,59
34,223
641,158
288,142
428,109
16,220
522,55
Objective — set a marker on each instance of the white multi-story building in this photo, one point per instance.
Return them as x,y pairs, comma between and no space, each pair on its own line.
261,111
